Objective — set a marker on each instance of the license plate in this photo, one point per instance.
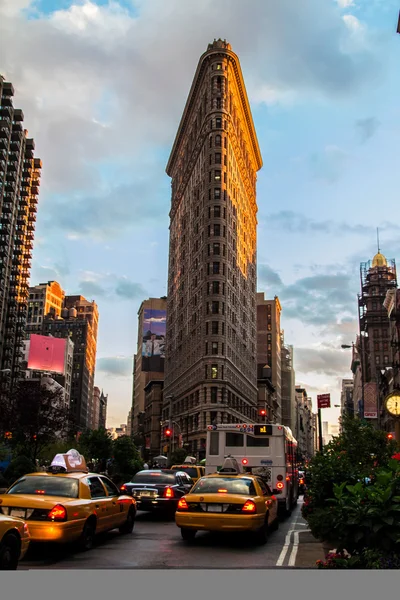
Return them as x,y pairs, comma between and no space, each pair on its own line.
214,508
17,512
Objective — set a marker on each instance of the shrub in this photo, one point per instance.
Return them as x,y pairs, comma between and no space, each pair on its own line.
17,468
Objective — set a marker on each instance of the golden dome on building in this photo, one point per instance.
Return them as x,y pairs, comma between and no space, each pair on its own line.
379,261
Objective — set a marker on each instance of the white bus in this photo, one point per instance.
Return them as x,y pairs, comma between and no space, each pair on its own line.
267,450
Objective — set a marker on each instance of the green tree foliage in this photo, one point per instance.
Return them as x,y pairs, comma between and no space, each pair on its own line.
96,444
36,416
17,468
178,456
126,460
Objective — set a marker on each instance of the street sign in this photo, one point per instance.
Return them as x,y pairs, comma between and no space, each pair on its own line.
324,401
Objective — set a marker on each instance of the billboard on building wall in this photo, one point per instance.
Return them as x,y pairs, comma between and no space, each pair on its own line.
47,354
153,340
370,401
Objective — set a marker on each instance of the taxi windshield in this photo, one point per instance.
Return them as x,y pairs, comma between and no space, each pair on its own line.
230,485
46,486
191,471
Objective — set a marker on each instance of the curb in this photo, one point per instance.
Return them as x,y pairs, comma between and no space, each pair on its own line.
310,550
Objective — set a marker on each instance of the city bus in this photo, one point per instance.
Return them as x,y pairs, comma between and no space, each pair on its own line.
269,451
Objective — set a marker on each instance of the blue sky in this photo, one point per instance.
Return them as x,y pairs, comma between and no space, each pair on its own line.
103,86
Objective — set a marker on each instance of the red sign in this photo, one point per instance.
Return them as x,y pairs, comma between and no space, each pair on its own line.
148,443
324,401
47,354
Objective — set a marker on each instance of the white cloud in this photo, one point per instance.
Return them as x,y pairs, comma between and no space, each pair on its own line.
345,3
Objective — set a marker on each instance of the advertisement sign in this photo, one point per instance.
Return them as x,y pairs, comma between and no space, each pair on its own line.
147,446
47,354
324,401
153,341
370,401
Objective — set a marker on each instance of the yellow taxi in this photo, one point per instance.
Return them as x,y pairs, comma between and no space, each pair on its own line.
68,504
14,542
194,471
228,501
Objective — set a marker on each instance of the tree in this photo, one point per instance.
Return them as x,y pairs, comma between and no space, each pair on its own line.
36,416
178,456
126,459
96,444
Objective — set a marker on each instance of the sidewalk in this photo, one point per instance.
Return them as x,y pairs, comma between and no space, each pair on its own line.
309,551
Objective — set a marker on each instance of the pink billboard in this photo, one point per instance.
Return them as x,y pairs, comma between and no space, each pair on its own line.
47,354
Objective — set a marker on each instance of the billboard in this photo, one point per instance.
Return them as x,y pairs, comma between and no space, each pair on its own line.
153,340
47,354
370,401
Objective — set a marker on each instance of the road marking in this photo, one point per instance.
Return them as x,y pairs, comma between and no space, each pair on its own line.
293,555
285,549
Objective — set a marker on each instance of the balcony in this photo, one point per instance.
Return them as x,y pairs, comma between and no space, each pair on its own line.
7,207
18,114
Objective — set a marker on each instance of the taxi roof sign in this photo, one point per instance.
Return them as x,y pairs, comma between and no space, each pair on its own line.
230,465
189,460
69,462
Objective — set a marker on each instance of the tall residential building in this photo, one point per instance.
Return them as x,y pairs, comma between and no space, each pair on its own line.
377,278
149,358
96,408
304,425
288,385
78,321
269,345
346,397
44,299
210,371
103,410
19,189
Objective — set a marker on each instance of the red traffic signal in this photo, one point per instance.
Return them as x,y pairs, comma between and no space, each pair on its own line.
168,432
389,436
262,412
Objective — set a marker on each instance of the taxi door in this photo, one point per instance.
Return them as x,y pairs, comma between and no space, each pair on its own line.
100,502
117,512
267,495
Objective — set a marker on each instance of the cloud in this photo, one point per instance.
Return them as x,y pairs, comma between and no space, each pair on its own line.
328,164
106,285
268,277
345,3
116,366
366,128
128,290
290,221
321,361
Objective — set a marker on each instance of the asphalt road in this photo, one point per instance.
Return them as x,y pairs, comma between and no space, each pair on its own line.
156,544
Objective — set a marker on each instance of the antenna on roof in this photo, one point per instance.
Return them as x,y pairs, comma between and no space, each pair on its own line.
377,238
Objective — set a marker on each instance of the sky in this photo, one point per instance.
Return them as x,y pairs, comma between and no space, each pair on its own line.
103,85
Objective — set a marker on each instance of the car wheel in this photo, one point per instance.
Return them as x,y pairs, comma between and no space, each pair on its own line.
10,550
188,534
261,535
87,537
129,524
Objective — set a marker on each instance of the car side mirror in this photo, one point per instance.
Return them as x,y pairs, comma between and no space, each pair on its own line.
277,492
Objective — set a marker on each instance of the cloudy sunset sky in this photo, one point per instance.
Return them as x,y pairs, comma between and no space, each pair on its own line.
103,86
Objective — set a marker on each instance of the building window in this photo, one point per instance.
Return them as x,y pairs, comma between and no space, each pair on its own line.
214,394
218,122
217,211
217,193
217,229
218,140
218,102
214,348
216,268
219,66
217,175
377,360
215,307
216,248
214,371
214,327
215,287
385,360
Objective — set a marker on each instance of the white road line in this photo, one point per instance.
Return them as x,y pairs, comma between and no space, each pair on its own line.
293,555
285,549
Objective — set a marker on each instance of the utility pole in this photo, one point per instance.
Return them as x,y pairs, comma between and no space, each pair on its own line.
321,444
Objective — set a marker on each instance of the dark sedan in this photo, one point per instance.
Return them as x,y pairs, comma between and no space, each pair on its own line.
158,489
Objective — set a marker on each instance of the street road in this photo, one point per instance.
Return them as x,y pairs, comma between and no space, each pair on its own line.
156,544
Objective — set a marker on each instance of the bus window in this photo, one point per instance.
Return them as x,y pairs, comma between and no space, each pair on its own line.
234,440
214,443
253,442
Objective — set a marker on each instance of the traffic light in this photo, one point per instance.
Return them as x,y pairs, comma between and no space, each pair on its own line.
8,435
389,436
262,412
167,433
